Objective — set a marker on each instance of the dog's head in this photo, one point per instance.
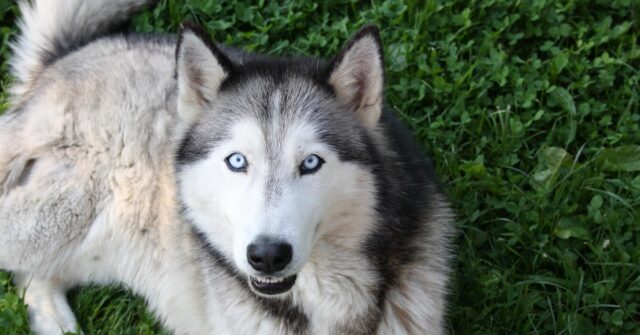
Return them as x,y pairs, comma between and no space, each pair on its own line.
277,152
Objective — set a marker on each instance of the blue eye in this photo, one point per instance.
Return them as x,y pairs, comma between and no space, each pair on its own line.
311,164
236,162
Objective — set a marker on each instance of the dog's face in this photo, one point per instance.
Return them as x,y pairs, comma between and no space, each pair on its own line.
277,153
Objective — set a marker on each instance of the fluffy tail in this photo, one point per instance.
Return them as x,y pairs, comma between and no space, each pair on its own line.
51,28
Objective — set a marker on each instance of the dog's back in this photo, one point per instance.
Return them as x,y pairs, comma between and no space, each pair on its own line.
85,162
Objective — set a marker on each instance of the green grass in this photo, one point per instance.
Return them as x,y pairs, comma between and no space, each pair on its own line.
531,112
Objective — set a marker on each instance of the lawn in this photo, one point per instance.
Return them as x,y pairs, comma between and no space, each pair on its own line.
531,111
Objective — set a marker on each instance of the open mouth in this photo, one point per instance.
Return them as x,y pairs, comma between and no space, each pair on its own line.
271,285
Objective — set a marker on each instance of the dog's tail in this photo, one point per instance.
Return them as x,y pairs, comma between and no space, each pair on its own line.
51,28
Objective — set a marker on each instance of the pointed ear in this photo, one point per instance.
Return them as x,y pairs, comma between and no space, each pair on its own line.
200,69
357,75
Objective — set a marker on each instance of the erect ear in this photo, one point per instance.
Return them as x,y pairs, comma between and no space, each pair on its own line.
200,69
357,75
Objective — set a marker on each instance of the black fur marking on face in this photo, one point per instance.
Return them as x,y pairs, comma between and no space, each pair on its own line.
278,70
347,148
283,309
201,138
190,150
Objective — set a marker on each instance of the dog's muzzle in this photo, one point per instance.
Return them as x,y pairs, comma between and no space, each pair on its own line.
269,257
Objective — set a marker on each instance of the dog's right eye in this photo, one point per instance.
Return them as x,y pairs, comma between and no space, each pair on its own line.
236,162
311,164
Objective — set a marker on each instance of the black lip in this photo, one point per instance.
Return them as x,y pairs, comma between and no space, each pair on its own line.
272,288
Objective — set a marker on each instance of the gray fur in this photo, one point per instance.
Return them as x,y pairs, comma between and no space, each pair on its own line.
101,170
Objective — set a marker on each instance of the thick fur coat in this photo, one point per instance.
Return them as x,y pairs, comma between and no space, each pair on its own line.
115,167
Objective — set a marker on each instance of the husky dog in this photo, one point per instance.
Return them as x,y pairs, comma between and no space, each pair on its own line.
239,194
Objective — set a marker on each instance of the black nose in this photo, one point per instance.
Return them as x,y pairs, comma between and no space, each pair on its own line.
268,256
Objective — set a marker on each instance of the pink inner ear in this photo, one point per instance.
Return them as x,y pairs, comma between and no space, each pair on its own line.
357,77
360,88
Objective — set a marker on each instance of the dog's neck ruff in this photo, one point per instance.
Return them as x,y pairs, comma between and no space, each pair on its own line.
283,309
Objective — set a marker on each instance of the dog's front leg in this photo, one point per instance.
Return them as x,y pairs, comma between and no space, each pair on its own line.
49,311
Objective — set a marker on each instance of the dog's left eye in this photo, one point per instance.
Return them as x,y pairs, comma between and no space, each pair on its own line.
311,164
236,162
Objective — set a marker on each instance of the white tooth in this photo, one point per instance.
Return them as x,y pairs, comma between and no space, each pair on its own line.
270,280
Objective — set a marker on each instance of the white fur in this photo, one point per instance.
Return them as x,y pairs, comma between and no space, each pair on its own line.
48,311
97,205
89,191
309,205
